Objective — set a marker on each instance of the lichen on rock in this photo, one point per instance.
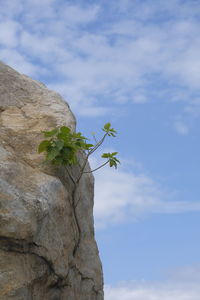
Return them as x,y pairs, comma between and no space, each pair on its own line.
44,253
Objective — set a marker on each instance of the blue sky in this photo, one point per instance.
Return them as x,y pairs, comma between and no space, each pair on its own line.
136,64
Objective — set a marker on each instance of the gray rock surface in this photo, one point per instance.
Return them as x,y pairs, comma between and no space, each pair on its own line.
47,245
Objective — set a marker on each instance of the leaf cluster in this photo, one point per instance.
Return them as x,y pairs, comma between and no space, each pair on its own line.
112,159
62,145
110,131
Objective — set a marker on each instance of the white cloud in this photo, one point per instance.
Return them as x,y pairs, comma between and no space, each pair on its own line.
9,33
10,9
83,106
38,46
189,274
124,196
139,98
75,14
93,111
193,107
153,292
181,128
19,62
100,61
183,285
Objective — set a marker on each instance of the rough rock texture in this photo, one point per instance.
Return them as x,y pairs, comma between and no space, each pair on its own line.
47,246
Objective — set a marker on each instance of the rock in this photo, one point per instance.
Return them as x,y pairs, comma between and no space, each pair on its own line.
47,245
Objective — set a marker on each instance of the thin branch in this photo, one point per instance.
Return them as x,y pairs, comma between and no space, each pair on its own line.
89,153
96,168
94,137
98,144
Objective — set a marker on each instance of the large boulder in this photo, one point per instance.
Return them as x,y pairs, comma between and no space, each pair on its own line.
47,245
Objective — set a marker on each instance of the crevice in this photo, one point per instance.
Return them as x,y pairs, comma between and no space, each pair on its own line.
84,277
21,246
73,205
2,109
77,223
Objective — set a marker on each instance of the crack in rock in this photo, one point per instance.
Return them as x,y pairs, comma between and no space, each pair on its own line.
84,277
23,247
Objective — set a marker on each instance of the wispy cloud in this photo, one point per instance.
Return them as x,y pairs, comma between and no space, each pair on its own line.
183,286
124,196
181,128
154,292
94,57
8,33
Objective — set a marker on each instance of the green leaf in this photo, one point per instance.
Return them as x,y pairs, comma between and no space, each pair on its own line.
43,146
112,134
52,153
114,153
59,144
58,160
78,135
113,163
65,129
50,133
63,136
117,160
105,155
68,152
107,126
79,144
113,130
69,155
88,146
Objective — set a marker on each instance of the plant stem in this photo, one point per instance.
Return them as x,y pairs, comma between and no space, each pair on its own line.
89,153
98,144
76,186
96,168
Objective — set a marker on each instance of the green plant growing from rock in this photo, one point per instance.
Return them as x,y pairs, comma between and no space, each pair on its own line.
62,146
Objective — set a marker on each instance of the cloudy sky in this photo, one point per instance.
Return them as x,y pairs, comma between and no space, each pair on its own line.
136,64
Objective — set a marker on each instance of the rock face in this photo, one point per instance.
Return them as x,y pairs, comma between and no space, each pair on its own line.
47,246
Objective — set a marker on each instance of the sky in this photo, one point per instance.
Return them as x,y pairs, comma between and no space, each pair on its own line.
136,64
